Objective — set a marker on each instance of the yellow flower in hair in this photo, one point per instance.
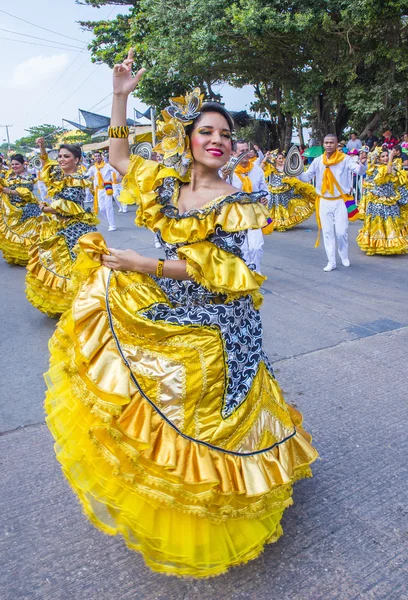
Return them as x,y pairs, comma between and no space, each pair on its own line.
186,108
173,138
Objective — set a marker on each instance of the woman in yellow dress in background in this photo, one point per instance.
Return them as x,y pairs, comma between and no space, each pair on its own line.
48,282
384,206
168,421
292,200
20,213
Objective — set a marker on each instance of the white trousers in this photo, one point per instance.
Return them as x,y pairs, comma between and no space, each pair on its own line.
117,188
253,248
106,207
42,188
334,220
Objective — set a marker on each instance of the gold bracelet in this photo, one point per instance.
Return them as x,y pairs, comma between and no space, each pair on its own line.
118,132
160,265
44,156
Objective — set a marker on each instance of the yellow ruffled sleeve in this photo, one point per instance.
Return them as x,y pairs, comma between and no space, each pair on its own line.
26,195
221,272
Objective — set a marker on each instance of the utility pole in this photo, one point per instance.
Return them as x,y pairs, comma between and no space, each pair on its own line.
7,132
153,120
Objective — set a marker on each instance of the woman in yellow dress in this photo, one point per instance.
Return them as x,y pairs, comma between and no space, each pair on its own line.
292,200
384,206
20,214
168,421
48,282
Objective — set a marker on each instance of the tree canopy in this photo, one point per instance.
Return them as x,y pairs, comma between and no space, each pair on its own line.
331,63
51,133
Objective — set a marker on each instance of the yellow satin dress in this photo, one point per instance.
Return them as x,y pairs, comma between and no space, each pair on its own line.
49,285
168,421
292,200
20,217
384,206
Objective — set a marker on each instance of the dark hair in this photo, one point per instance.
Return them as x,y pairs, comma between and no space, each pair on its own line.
331,135
353,132
240,141
18,157
398,147
212,107
73,148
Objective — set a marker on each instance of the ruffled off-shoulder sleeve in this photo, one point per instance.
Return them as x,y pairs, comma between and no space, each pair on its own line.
221,272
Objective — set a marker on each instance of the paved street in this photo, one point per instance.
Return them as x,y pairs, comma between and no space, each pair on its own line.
339,343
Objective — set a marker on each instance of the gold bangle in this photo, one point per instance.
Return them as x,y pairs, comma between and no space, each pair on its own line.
118,132
160,265
44,156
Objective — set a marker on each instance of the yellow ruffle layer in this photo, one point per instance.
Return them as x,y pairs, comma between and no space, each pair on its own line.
140,185
379,236
221,272
48,284
16,237
190,509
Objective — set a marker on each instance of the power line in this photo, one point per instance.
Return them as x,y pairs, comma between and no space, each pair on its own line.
89,109
70,96
42,45
34,37
40,27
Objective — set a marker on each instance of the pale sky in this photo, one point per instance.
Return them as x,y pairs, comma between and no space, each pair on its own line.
50,78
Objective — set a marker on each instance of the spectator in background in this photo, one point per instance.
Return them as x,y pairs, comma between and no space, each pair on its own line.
399,154
354,143
342,147
388,141
371,139
404,143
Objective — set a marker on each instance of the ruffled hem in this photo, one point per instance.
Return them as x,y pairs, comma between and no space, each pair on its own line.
16,237
298,212
50,302
383,236
14,254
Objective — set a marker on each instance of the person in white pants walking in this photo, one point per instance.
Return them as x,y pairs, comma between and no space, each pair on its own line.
117,188
333,171
249,177
102,173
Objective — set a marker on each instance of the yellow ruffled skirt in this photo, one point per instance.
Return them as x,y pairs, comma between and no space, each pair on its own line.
16,235
298,210
383,236
48,280
134,407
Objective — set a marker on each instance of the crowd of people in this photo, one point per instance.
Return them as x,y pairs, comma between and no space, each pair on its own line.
169,423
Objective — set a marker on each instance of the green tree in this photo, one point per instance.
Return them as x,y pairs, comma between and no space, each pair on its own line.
331,64
51,134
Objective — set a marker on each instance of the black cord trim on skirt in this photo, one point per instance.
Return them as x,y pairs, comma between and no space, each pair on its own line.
186,437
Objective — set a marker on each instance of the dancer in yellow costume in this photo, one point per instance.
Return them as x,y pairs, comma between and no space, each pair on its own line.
168,421
292,200
20,214
384,206
48,281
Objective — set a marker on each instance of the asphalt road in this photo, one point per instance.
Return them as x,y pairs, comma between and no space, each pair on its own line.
339,343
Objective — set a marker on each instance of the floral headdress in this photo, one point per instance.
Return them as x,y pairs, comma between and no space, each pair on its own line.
174,144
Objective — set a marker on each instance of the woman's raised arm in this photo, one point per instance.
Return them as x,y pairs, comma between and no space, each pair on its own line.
123,84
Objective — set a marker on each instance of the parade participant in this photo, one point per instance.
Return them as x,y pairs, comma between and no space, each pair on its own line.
48,280
385,198
292,200
102,179
117,189
332,171
20,214
249,177
256,155
168,421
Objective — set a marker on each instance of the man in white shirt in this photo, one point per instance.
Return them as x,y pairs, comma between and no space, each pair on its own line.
332,171
249,177
354,143
102,173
